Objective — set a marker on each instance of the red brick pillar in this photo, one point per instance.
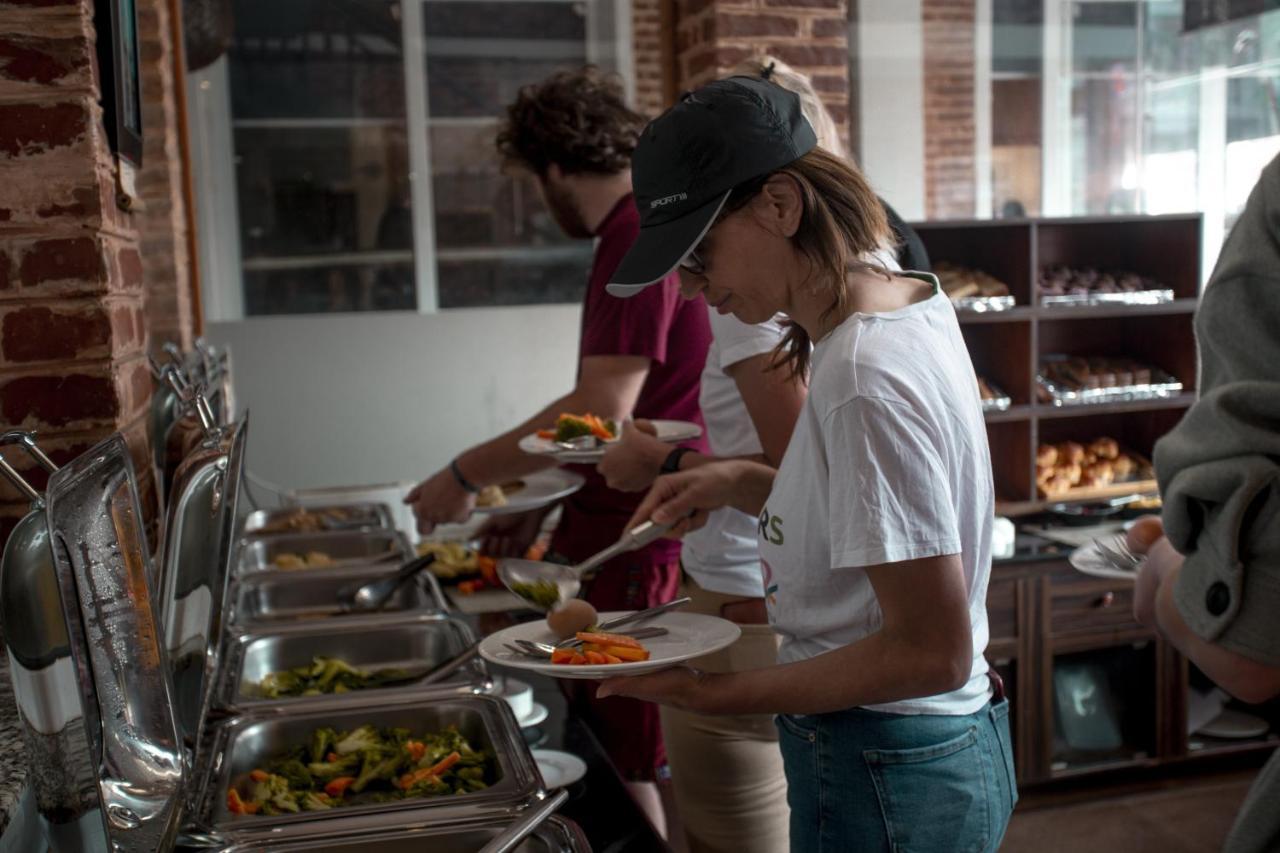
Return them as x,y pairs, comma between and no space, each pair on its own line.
950,176
72,329
162,219
649,55
811,36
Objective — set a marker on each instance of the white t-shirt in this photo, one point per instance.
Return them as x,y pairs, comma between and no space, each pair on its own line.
722,556
889,462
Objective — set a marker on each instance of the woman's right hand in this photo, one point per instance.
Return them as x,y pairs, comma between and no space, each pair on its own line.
688,497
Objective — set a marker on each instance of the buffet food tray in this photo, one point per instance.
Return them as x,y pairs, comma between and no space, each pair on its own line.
1135,297
556,835
419,644
248,742
304,597
984,304
342,549
297,519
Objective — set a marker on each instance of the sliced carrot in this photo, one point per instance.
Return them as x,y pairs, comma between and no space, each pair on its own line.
235,805
627,653
595,658
331,757
416,749
577,659
548,434
608,639
608,658
259,775
561,656
444,764
339,785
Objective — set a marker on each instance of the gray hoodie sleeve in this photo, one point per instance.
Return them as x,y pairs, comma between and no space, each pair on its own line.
1219,469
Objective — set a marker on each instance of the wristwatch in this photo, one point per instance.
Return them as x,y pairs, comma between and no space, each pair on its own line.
671,464
466,484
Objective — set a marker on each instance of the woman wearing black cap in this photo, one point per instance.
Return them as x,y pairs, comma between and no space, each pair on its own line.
874,532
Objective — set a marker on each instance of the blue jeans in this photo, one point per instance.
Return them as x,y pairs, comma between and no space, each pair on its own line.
861,780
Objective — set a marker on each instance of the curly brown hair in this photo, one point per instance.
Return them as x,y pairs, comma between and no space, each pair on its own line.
578,120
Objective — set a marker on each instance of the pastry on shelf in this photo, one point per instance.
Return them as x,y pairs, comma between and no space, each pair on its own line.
1064,281
959,282
1069,380
993,399
1070,466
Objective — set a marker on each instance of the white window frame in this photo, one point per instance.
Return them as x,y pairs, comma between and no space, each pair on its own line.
609,45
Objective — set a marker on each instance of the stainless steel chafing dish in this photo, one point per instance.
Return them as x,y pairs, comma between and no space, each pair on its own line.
355,516
418,644
250,741
146,776
557,835
276,597
344,549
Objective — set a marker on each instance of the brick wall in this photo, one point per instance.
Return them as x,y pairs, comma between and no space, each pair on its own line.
73,333
810,35
650,55
948,108
162,221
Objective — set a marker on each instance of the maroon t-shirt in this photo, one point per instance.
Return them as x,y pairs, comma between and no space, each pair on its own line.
674,335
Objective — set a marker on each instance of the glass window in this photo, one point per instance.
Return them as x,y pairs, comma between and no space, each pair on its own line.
327,152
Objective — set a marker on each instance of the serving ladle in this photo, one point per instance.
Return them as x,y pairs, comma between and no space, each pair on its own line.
526,577
375,594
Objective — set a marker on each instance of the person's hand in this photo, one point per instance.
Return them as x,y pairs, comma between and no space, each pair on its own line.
440,499
679,687
633,461
687,497
1146,536
511,535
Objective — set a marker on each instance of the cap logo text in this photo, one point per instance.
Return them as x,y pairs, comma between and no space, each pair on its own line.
669,199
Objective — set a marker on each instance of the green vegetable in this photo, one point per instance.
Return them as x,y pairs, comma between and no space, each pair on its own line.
326,675
543,593
327,771
378,759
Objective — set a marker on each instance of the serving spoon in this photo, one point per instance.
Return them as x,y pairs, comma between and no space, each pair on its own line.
525,578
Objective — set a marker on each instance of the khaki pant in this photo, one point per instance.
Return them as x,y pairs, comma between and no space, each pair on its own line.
726,771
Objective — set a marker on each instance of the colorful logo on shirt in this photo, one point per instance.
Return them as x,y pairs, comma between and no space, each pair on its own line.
770,587
771,528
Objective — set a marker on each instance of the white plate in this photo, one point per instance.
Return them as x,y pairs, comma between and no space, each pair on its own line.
540,489
1235,725
536,714
689,635
559,768
672,431
1088,559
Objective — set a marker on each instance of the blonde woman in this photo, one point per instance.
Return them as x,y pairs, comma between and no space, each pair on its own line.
874,532
726,772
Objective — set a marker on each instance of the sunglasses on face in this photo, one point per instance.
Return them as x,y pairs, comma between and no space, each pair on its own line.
692,263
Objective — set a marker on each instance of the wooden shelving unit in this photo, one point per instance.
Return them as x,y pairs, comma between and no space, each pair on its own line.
1008,346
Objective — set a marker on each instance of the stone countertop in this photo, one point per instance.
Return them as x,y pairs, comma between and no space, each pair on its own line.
13,756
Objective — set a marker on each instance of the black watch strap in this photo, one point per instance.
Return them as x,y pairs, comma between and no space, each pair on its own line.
671,464
466,484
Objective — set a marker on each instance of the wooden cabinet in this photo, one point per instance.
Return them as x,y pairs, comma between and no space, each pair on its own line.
1092,691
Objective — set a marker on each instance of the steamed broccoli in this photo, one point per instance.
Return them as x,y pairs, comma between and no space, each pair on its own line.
322,741
327,771
294,772
313,802
365,737
378,764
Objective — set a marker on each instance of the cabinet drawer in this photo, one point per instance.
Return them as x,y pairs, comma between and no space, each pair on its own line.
1002,610
1083,607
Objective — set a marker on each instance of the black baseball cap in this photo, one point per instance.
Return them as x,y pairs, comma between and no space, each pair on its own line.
691,157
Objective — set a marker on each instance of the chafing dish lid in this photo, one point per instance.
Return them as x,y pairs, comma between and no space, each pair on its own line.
102,562
203,525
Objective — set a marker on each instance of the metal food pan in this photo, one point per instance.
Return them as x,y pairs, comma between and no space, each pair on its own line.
332,518
419,644
345,549
252,740
299,597
556,835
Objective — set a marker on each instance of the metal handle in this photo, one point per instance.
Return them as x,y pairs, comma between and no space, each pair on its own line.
635,538
447,669
506,841
26,440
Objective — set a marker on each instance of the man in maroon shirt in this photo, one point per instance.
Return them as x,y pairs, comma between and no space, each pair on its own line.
641,357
